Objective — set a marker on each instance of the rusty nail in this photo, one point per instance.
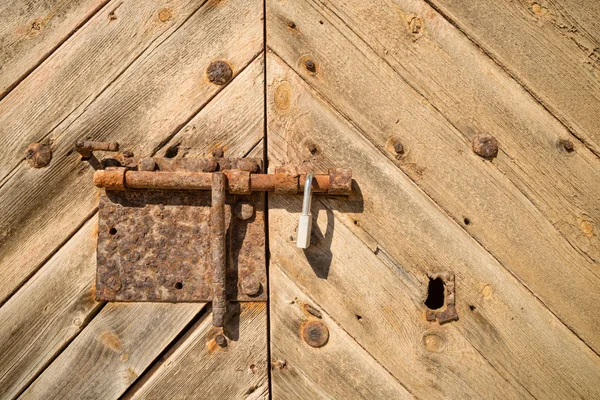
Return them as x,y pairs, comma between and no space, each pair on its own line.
566,144
485,145
113,283
219,72
38,155
279,364
221,340
251,286
315,333
291,24
312,148
398,148
244,211
146,164
218,152
310,65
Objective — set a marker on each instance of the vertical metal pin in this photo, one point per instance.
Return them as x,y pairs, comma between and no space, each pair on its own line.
217,226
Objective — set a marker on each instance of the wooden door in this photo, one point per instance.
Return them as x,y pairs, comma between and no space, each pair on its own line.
397,90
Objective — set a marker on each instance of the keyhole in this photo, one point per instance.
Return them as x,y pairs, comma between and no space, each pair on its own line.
178,285
435,294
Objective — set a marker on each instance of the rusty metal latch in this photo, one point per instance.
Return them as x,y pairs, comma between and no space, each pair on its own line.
191,229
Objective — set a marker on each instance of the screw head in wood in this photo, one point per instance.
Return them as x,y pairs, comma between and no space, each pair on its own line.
310,65
38,155
221,340
485,145
315,333
219,72
251,286
566,144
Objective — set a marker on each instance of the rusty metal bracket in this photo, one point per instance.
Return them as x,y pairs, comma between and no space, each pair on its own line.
188,229
449,313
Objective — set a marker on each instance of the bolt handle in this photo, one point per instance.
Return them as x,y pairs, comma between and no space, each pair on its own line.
305,224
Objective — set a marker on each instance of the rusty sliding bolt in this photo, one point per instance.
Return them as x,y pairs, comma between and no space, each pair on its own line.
85,148
337,182
217,229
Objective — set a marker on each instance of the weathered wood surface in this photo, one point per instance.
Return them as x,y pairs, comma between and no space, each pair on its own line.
147,104
112,351
241,100
31,30
340,369
48,312
200,369
534,207
551,47
520,348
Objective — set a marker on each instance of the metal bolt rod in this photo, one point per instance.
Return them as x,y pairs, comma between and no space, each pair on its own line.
85,148
217,228
120,179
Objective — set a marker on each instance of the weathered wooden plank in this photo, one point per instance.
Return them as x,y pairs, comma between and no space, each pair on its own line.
242,102
502,328
147,104
340,369
48,312
200,369
31,30
112,351
56,93
533,207
551,47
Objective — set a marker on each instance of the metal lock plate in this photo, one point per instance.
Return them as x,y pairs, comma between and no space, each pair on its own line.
155,245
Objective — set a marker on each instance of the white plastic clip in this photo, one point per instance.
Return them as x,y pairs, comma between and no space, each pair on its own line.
305,224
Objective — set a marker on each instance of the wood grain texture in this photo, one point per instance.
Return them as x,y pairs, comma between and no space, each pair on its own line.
51,309
519,347
340,369
142,109
200,369
112,351
552,47
64,86
31,30
242,100
534,207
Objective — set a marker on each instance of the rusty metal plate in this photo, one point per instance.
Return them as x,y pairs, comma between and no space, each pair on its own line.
155,246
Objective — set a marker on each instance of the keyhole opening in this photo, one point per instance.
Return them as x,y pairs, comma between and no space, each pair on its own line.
435,294
112,231
178,285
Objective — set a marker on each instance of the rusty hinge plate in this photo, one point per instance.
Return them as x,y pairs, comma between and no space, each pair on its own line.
155,245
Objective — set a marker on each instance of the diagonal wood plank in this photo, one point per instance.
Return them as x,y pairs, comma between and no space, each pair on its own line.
48,312
30,31
547,202
340,369
519,347
112,351
200,369
241,104
552,48
80,70
143,108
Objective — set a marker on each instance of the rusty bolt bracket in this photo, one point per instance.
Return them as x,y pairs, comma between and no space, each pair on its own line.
196,236
38,155
449,313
